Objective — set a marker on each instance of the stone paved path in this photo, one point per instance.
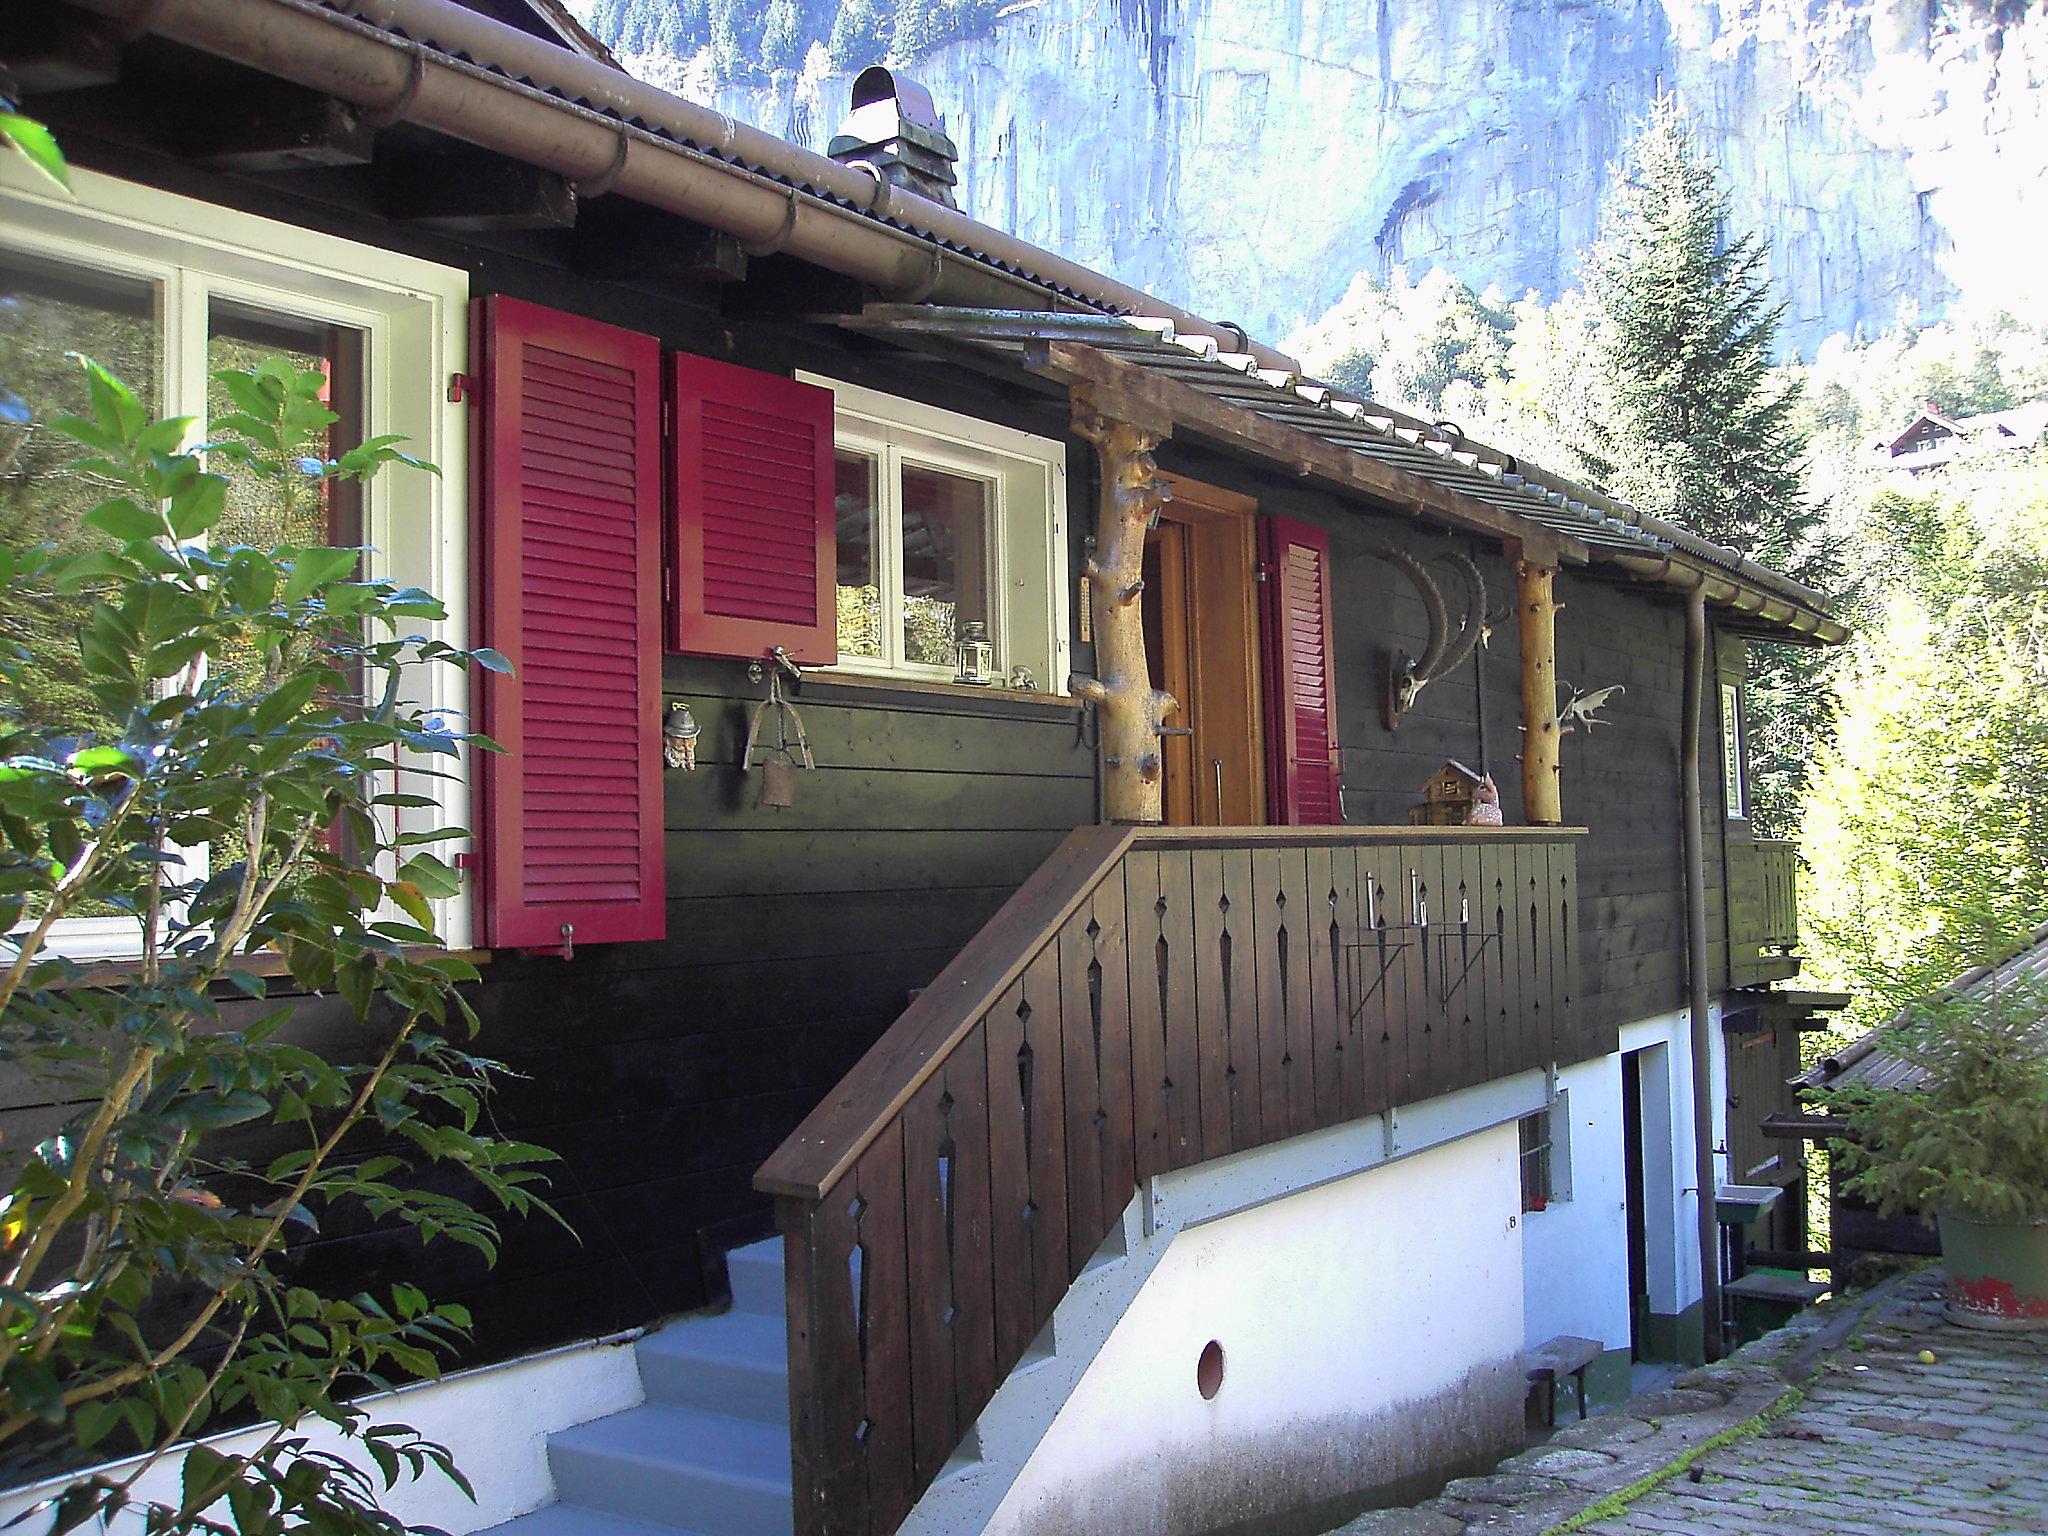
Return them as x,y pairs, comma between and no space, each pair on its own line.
1884,1441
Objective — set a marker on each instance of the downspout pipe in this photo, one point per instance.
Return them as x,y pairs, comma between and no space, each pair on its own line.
1698,1007
447,68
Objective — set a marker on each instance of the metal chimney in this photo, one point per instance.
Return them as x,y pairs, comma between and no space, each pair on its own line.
894,132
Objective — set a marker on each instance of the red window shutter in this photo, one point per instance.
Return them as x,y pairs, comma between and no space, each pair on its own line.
753,542
1301,693
568,530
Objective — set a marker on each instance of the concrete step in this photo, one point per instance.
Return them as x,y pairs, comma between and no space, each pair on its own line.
756,1275
573,1520
680,1468
737,1364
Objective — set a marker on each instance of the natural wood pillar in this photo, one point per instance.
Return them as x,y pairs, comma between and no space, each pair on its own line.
1129,710
1542,796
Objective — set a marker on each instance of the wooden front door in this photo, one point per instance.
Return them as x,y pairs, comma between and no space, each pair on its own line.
1202,640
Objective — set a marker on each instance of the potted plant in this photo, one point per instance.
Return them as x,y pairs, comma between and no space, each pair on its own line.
1963,1137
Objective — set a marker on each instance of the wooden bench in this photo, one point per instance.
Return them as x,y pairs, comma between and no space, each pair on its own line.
1564,1355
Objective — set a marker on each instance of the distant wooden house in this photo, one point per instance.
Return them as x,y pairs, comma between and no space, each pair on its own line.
1933,440
1125,1074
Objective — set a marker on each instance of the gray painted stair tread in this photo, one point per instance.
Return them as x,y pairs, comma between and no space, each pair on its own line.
750,1338
755,1273
573,1520
684,1439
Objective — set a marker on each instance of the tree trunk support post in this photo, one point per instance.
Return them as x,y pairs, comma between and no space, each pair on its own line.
1129,710
1542,794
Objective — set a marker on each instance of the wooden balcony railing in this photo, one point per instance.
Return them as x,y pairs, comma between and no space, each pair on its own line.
1763,911
1149,999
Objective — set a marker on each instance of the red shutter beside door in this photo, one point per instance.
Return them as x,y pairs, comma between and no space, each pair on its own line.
753,541
568,524
1301,694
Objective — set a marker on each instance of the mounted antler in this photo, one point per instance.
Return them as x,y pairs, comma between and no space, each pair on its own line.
1581,709
1445,651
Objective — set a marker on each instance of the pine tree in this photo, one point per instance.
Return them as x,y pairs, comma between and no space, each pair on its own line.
1695,429
1693,426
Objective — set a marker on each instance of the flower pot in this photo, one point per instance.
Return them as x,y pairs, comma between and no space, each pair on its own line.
1997,1272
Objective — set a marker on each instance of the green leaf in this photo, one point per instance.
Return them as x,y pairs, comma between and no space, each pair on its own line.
431,875
37,145
124,520
284,702
491,660
315,566
199,507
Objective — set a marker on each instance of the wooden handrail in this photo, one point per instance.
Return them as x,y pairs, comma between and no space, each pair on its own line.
1149,999
832,1137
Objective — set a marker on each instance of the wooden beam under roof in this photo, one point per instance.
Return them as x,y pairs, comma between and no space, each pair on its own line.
473,192
1075,363
277,126
47,49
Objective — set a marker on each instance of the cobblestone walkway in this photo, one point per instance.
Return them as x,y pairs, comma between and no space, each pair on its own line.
1886,1440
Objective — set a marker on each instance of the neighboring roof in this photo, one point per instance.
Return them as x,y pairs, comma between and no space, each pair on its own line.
1866,1063
548,19
1411,462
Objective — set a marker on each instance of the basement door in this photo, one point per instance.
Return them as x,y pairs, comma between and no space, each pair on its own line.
1202,643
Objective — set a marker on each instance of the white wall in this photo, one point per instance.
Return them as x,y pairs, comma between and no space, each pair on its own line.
495,1419
1575,1251
1370,1326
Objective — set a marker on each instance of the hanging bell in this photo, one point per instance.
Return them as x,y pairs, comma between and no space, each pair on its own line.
679,731
778,783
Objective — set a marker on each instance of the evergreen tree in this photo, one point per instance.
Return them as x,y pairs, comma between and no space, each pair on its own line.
782,39
1694,425
860,34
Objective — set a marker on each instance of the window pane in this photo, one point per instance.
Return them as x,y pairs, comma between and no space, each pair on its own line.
263,513
945,561
47,311
860,593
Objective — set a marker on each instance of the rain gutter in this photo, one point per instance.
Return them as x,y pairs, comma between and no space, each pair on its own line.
442,67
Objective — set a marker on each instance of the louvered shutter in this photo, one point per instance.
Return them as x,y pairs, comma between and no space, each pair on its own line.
1301,695
568,529
752,543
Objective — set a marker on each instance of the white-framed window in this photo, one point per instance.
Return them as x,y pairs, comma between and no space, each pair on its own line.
944,522
166,290
1734,757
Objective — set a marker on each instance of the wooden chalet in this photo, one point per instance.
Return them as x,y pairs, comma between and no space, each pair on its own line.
1039,943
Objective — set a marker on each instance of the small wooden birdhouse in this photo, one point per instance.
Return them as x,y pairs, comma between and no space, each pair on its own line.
1446,798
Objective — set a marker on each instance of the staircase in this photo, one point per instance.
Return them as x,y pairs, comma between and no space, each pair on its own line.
708,1453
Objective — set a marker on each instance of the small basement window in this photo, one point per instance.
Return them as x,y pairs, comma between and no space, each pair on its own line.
945,522
1546,1155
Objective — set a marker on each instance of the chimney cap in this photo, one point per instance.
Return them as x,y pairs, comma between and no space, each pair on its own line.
913,101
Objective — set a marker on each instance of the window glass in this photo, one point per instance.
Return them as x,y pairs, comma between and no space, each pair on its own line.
945,561
1733,775
240,336
860,591
46,314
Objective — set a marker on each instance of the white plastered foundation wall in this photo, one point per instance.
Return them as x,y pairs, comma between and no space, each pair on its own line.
1371,1330
495,1419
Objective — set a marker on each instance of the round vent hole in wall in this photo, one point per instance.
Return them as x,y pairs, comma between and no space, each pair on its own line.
1209,1370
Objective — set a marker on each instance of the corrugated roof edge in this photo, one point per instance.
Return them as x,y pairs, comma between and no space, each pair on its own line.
273,35
1830,1069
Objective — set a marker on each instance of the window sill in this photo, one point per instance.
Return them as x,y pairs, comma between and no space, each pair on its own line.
883,682
115,973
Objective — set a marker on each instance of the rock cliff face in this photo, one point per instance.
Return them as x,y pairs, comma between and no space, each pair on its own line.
1248,156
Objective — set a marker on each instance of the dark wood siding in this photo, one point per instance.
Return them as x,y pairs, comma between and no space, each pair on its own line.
665,1072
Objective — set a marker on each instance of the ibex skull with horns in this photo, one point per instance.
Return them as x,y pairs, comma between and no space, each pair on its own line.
1446,649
